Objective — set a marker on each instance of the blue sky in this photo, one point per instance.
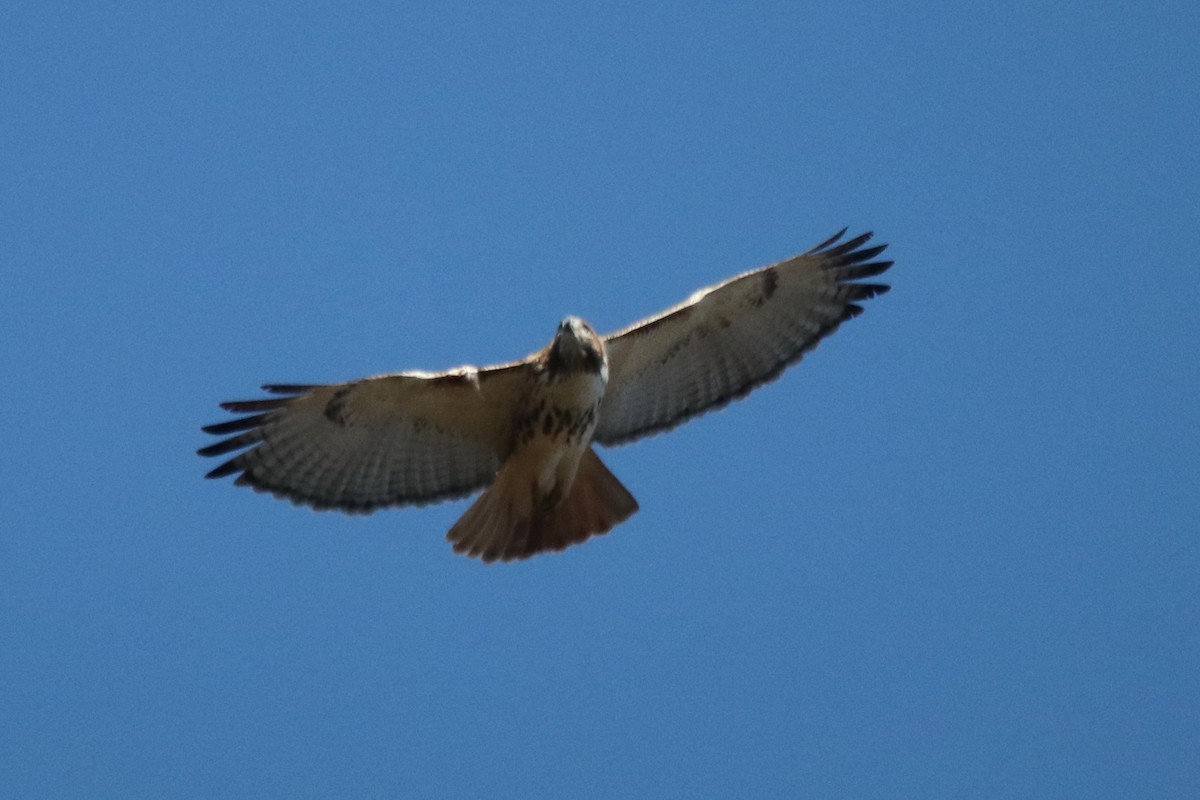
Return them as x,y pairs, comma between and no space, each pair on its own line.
952,554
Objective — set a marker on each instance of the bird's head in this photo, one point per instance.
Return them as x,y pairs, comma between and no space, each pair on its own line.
576,347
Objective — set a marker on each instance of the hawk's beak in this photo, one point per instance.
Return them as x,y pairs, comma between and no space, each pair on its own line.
574,343
568,342
568,331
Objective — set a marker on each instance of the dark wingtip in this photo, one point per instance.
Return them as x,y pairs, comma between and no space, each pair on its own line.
828,242
850,248
288,388
232,443
248,406
228,468
217,449
235,425
870,252
865,291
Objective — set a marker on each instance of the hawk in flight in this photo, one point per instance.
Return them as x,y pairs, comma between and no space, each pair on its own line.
524,431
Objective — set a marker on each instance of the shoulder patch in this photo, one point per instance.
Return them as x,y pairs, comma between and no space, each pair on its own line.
335,409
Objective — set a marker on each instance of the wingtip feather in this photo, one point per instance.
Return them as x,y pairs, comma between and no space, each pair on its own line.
829,242
227,445
235,425
228,468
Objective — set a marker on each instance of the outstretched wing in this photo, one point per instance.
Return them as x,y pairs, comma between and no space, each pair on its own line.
727,339
388,440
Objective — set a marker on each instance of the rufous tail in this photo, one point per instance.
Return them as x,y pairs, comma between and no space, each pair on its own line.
504,523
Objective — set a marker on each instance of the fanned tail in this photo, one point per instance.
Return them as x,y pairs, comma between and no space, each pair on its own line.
504,522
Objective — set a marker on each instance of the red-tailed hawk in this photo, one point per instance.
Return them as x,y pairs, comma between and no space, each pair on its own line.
524,430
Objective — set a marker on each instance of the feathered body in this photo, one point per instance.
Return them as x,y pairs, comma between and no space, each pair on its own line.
552,490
